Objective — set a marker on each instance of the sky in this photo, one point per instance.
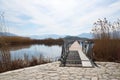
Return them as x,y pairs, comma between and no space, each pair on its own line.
62,17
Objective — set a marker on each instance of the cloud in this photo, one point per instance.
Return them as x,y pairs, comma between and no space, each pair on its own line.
57,16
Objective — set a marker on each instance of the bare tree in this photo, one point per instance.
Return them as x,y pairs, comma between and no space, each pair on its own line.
3,27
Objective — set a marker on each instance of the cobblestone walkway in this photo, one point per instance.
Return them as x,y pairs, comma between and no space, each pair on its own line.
52,71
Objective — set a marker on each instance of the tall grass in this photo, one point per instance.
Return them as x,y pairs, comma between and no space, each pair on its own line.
2,27
15,40
7,64
107,40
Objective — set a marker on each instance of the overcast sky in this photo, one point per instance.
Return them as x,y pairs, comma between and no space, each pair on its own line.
62,17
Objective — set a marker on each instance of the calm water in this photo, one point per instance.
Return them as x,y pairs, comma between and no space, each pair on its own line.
50,52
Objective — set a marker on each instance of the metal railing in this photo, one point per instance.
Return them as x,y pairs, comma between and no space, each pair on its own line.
65,52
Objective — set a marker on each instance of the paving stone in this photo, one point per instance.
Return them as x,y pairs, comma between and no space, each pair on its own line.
114,79
94,78
85,79
52,71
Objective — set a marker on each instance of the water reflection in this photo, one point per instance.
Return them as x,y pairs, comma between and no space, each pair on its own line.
15,57
51,52
18,47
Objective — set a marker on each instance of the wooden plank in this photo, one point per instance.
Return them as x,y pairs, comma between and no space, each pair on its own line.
73,59
76,47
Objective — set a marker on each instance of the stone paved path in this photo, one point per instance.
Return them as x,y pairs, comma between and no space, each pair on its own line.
52,71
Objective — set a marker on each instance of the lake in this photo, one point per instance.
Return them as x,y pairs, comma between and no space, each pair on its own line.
48,52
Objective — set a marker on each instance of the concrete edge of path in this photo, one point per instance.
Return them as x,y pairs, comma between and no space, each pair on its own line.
31,67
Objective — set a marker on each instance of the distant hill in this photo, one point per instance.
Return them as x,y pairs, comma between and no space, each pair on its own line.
74,38
7,34
53,36
86,35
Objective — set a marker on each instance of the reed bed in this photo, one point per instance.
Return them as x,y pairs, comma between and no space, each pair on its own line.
7,64
15,40
106,40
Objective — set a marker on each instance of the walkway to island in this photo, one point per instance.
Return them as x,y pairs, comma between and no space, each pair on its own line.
52,71
74,56
84,60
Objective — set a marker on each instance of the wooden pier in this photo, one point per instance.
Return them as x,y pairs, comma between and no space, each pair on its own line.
73,55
